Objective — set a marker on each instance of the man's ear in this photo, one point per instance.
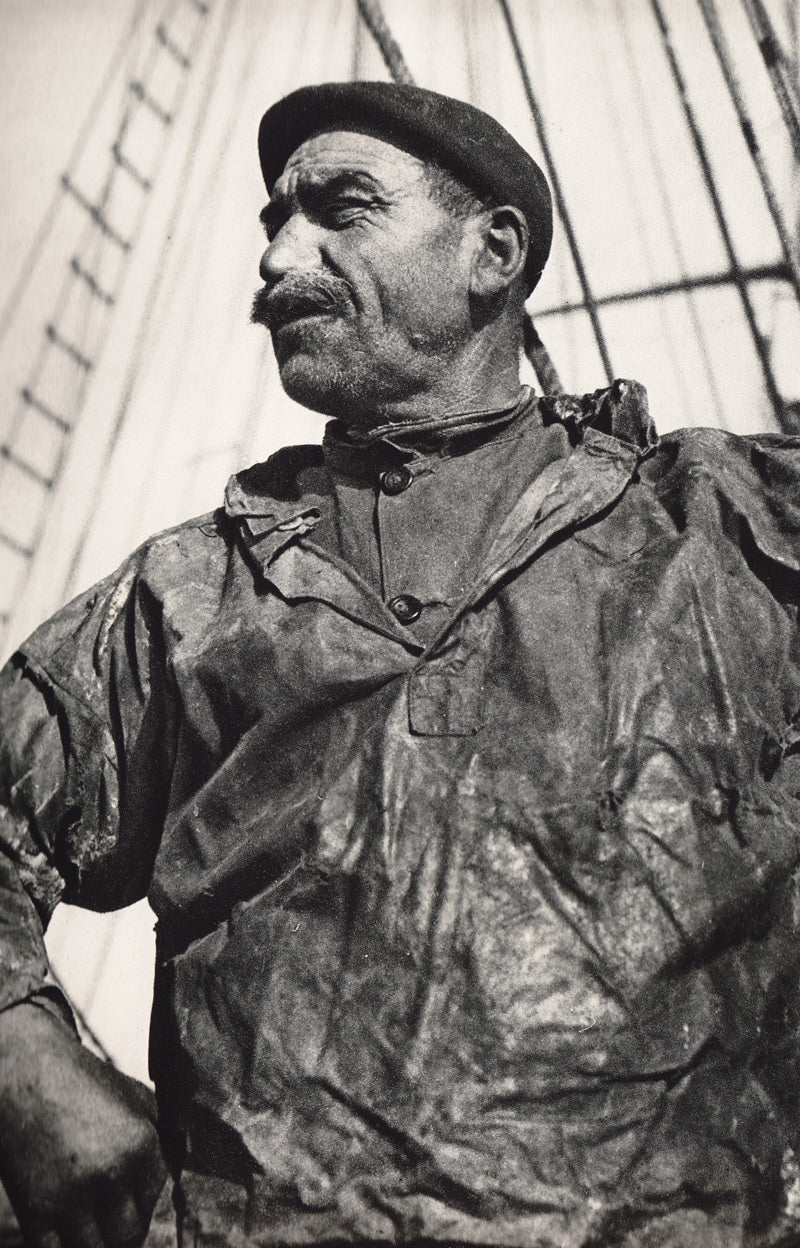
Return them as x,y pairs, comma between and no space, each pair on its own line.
501,258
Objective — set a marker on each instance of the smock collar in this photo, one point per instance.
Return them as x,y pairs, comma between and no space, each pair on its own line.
273,507
365,454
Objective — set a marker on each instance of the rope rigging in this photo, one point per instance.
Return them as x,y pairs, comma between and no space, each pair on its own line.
50,400
636,196
122,49
783,81
685,284
558,194
97,266
145,326
717,36
374,20
704,162
37,439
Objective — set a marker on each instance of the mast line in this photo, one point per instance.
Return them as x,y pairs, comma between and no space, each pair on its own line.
389,48
701,153
558,194
717,36
682,285
782,84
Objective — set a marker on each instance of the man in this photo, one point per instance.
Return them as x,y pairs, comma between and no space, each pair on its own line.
458,759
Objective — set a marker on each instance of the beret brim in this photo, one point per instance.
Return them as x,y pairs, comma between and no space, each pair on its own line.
459,137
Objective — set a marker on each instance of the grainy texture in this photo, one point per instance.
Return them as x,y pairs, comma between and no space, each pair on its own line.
478,930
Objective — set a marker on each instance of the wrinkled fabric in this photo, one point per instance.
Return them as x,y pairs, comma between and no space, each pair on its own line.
479,930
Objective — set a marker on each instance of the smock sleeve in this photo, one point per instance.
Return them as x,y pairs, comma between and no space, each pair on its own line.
84,766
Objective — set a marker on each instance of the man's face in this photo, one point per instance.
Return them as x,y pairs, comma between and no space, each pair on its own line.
366,277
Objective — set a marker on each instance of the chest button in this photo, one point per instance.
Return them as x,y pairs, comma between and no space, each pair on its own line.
406,608
395,480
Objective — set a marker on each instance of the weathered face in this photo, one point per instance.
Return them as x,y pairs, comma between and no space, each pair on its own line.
366,277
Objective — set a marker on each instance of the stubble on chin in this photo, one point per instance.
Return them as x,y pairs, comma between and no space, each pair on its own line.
313,377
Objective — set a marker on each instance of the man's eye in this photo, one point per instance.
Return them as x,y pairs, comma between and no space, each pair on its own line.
344,211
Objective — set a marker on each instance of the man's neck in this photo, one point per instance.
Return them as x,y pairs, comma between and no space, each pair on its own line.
483,382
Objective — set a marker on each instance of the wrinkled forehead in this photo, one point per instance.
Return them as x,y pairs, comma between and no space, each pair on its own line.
335,152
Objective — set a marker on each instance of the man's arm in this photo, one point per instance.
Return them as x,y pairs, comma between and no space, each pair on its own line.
79,1152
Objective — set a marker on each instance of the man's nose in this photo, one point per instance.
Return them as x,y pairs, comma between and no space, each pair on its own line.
293,249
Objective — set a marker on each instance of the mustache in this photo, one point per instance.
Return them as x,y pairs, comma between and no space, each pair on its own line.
300,295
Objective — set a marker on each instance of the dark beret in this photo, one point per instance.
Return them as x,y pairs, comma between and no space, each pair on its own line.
462,139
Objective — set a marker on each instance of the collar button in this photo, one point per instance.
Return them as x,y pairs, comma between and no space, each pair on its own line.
395,480
406,608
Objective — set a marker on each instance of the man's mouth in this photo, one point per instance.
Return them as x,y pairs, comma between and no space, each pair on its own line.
292,300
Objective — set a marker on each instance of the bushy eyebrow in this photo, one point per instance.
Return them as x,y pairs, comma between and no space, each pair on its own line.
315,192
270,216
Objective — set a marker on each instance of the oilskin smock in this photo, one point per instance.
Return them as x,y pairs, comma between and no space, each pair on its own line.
477,917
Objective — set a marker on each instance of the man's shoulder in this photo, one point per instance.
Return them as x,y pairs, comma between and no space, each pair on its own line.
745,487
180,567
285,477
621,411
704,440
178,553
191,552
740,488
762,461
171,553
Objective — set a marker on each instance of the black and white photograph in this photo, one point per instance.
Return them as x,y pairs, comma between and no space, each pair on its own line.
399,590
